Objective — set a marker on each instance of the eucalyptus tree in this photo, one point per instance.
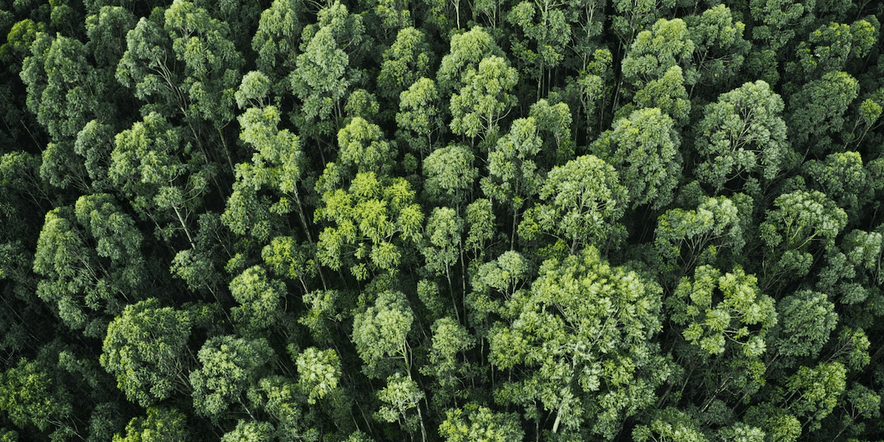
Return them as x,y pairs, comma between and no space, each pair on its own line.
742,140
91,262
644,148
582,203
182,62
323,73
577,347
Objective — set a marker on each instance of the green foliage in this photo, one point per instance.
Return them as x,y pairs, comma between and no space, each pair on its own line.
653,52
715,326
321,77
720,48
583,201
418,115
818,110
371,222
484,98
513,176
644,149
461,220
812,393
686,238
578,344
28,397
277,38
476,423
450,338
405,62
742,132
318,372
399,396
381,332
444,231
467,51
450,174
228,365
669,424
91,261
259,298
250,432
807,319
790,232
145,349
362,147
829,47
160,425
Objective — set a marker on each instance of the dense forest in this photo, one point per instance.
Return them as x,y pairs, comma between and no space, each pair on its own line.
441,220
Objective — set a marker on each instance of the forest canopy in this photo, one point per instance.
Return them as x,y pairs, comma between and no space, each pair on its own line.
441,220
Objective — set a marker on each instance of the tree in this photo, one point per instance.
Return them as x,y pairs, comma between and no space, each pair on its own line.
450,339
668,94
494,283
714,327
228,366
577,345
419,116
476,423
319,372
444,244
405,62
830,47
322,75
277,167
259,298
742,134
802,219
543,48
667,44
183,59
583,201
399,396
146,350
484,99
807,319
817,111
90,258
720,48
513,178
586,18
63,88
727,327
467,50
669,424
712,233
283,402
380,333
842,177
250,431
160,425
635,15
372,222
165,179
104,30
554,122
644,149
276,40
812,393
29,396
778,19
362,147
450,175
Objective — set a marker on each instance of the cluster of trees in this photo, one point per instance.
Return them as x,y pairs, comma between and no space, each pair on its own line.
488,220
